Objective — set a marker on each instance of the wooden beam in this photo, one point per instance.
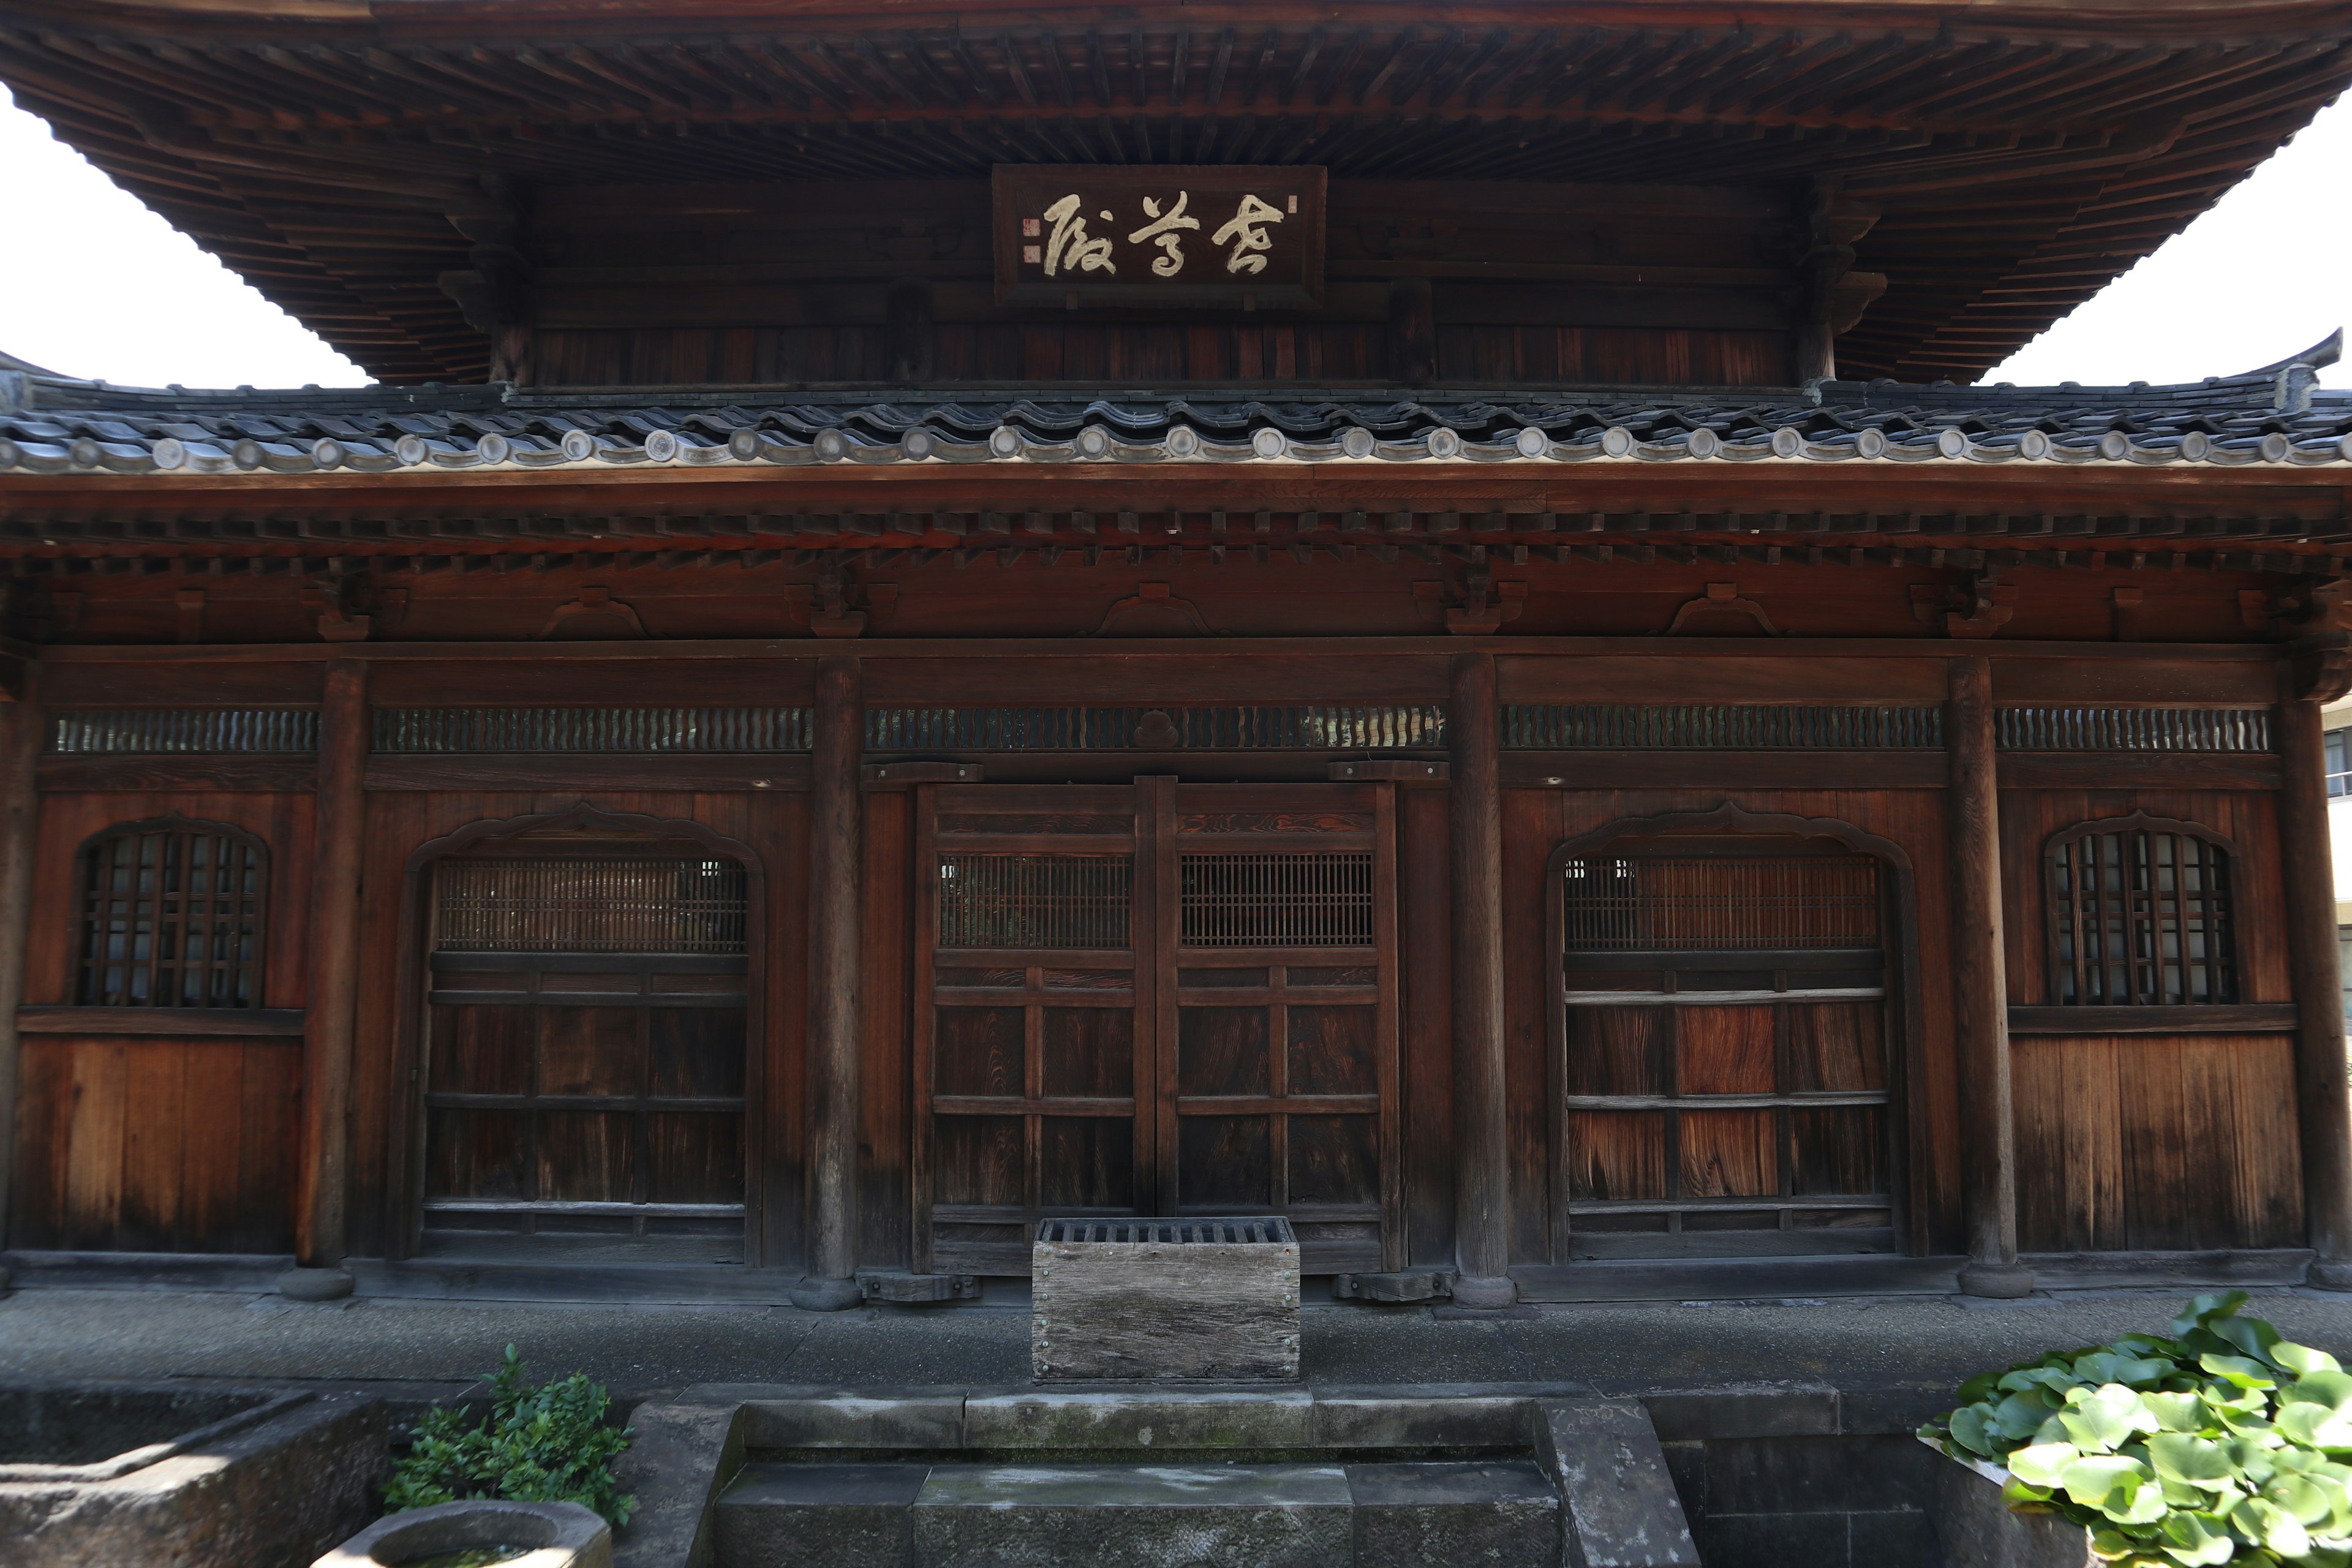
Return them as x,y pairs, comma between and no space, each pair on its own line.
332,1026
1981,992
1482,1194
22,725
2315,967
834,856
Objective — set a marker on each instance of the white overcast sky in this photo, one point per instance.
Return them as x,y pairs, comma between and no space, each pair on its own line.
99,287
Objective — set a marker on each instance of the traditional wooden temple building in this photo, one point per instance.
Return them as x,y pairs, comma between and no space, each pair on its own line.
1396,615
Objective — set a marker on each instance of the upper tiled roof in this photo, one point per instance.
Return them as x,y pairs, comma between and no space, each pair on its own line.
52,426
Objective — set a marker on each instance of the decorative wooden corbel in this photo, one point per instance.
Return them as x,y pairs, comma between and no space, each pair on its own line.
1977,609
1156,596
1484,605
2321,668
837,605
339,601
1720,597
594,617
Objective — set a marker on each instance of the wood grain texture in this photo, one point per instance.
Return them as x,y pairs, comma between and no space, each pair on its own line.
322,1236
1980,980
835,974
1204,1310
1482,1190
2134,1142
23,724
2316,969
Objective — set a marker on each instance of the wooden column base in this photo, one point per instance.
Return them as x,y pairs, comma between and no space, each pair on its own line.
826,1295
2325,1275
1997,1281
1485,1294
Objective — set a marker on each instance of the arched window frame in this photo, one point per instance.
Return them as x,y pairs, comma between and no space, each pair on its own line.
94,910
2214,906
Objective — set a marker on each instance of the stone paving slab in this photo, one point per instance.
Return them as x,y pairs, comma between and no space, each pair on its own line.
1120,1516
1908,1348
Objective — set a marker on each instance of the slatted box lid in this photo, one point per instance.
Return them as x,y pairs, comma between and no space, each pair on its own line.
1271,1230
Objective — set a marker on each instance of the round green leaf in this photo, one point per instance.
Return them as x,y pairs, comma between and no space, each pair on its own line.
2302,1359
2040,1465
2179,1457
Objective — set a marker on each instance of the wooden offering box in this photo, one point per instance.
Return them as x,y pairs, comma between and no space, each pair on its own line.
1187,1300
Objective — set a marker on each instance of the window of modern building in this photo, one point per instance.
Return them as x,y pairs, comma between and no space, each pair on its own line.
172,916
2339,762
2139,915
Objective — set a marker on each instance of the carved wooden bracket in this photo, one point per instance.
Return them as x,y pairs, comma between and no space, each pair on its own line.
594,617
1155,596
339,602
1481,609
2127,602
2322,668
1720,597
837,604
1978,610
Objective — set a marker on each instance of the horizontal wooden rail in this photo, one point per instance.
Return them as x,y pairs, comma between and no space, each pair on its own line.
158,1022
2241,1018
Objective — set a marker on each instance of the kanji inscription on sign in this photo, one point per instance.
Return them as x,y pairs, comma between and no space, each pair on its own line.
1193,237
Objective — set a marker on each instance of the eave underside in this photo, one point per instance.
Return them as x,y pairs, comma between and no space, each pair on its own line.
2018,166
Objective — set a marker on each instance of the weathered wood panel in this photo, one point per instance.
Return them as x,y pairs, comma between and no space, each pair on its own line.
157,1146
886,951
1425,958
2140,1142
1923,1082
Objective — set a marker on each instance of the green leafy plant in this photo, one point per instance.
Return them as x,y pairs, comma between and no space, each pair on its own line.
544,1444
2223,1444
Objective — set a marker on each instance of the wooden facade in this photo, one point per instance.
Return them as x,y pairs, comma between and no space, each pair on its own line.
1499,757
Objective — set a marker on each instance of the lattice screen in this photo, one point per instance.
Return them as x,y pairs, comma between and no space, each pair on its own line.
1727,902
171,917
1034,900
1251,898
583,905
2141,917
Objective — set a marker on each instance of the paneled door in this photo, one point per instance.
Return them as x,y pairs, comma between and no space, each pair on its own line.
1165,999
585,1069
1725,1019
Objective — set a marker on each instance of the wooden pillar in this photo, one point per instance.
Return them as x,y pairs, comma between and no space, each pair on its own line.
332,1014
1482,1177
22,726
1981,992
834,921
2315,967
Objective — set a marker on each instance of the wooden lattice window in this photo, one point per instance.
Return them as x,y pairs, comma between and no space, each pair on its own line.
1277,898
1665,902
1014,900
582,904
172,916
2140,915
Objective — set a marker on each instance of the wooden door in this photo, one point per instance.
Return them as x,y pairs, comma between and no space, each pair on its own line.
1725,1016
584,1103
1158,1000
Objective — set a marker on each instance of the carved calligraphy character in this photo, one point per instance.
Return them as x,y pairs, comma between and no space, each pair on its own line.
1069,244
1162,232
1248,232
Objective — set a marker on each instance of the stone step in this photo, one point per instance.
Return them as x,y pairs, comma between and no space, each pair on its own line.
1442,1514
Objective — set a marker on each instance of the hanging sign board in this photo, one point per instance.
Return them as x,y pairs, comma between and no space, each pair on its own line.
1144,237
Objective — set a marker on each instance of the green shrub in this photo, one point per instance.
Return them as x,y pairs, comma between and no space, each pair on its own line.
2222,1444
548,1444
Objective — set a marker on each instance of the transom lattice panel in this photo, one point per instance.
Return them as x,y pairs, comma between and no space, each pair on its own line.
1664,903
602,905
2141,916
1276,899
171,917
1016,900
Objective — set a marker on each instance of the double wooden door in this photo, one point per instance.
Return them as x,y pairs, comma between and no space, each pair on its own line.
1162,999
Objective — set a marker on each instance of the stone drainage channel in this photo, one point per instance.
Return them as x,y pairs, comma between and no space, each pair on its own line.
755,1477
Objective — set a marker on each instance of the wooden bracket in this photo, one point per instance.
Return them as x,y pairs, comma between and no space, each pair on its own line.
1406,1285
1721,596
1480,611
1147,595
835,605
1978,610
2321,669
595,615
